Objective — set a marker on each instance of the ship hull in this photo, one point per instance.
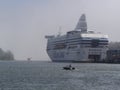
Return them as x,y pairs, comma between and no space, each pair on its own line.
78,55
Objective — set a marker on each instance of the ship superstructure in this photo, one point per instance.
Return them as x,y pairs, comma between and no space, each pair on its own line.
78,45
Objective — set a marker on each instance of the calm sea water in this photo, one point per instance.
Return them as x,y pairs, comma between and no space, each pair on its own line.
36,75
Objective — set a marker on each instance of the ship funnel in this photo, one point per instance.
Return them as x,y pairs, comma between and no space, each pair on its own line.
82,24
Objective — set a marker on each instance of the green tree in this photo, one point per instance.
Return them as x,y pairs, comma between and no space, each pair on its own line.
8,55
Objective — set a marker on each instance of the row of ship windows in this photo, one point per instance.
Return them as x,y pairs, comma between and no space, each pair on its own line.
75,47
81,42
78,43
78,40
85,39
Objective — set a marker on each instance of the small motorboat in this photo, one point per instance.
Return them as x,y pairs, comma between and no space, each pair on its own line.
68,68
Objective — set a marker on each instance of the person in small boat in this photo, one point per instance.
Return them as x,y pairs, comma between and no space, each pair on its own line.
70,66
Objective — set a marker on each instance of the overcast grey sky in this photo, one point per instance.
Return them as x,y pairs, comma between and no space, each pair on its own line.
24,23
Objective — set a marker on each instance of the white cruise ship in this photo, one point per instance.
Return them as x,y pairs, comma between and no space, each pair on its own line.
78,45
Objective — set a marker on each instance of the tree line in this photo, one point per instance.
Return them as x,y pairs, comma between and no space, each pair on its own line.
6,55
